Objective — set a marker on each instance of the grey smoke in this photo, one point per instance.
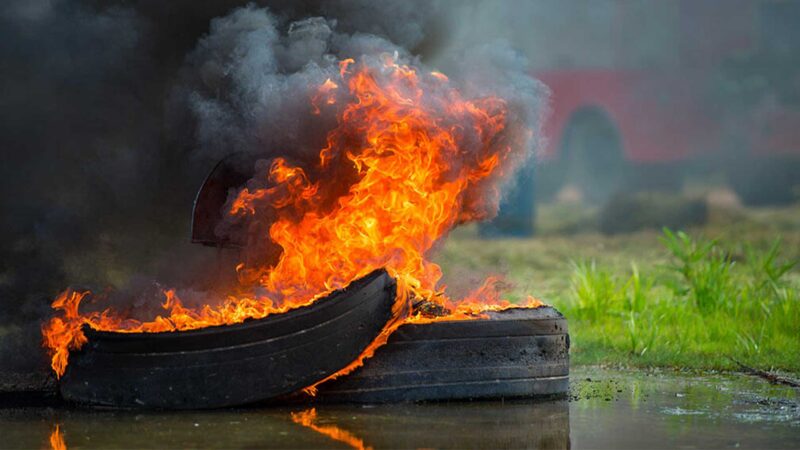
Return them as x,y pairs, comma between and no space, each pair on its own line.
249,83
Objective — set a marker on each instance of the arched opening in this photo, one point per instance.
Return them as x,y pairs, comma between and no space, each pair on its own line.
591,163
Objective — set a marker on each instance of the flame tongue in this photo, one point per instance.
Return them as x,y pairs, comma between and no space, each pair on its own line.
409,159
411,177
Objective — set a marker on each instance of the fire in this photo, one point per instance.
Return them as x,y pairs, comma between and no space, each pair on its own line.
308,419
57,439
409,159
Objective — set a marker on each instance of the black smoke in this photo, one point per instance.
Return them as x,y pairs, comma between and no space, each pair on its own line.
101,158
112,113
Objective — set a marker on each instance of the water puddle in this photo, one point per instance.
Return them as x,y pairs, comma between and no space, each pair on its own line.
664,409
606,409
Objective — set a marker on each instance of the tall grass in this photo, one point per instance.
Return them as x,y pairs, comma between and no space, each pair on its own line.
710,305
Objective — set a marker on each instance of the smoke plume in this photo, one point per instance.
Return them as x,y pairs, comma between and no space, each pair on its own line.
113,113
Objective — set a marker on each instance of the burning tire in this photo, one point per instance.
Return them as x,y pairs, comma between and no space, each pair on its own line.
230,365
515,353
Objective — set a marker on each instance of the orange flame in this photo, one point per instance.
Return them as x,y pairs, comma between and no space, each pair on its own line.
308,419
57,439
409,159
325,93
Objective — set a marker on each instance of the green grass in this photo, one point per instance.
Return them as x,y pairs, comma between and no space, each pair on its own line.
703,311
660,299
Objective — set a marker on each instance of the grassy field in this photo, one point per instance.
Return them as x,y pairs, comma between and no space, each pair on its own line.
723,292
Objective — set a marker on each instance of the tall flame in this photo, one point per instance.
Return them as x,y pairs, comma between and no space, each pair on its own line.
409,159
56,439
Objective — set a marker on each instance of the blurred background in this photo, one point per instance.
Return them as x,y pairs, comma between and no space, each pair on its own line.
697,98
665,116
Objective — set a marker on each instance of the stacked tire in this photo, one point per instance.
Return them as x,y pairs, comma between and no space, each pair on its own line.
514,353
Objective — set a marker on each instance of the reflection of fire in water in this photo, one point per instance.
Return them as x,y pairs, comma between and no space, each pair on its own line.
57,439
308,418
410,158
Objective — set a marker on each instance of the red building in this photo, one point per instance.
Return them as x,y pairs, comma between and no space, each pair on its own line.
710,85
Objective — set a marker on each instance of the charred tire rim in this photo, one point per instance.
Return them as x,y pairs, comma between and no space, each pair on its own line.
515,353
231,365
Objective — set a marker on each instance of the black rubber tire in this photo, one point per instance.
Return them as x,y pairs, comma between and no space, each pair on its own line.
230,365
515,353
231,172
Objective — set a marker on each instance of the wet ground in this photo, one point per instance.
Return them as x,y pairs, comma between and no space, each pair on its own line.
605,409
